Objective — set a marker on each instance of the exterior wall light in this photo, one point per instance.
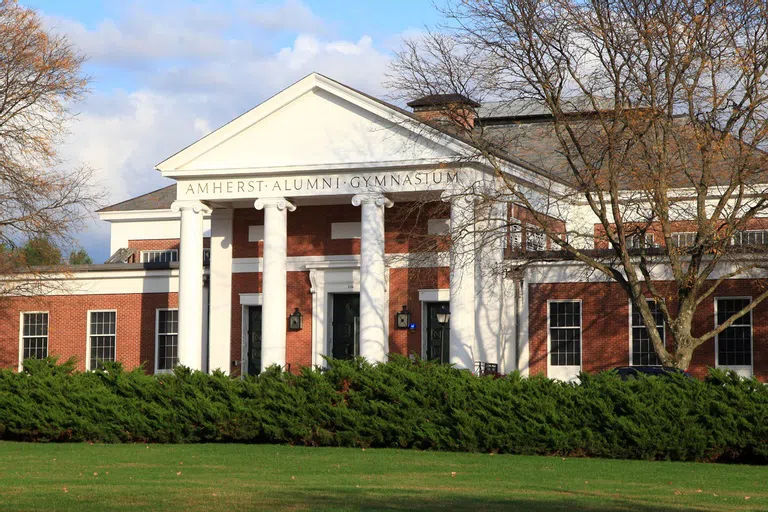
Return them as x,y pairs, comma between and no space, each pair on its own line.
443,316
295,321
403,318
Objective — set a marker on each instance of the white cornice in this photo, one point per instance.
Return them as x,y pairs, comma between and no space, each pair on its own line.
141,215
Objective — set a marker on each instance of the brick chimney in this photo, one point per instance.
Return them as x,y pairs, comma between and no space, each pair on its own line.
447,110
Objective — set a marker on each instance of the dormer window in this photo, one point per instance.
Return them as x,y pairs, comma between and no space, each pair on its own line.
165,256
752,237
640,241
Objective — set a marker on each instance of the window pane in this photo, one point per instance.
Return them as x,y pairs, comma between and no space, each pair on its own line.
643,353
565,333
734,344
167,339
102,336
34,335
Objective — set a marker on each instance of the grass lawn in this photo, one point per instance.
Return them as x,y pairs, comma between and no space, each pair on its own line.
257,477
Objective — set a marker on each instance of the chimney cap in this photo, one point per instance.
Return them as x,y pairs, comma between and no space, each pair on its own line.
441,100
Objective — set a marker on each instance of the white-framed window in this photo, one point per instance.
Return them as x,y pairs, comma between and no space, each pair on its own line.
535,238
33,331
163,256
683,239
564,319
734,344
750,237
640,241
166,339
642,351
102,337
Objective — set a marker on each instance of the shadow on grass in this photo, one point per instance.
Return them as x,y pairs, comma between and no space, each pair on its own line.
322,499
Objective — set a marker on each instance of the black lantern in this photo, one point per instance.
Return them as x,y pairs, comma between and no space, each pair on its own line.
403,318
295,321
443,316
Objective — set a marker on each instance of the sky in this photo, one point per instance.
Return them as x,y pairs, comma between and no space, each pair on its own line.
166,73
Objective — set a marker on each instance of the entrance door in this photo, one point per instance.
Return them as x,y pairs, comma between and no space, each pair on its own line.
346,325
438,336
253,350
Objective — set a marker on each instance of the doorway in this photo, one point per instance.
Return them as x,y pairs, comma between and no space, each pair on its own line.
345,332
253,341
438,336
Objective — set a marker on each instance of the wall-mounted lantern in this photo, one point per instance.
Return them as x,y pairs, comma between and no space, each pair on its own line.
403,318
443,316
296,321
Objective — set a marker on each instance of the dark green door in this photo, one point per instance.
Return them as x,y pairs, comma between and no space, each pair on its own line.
346,329
438,336
254,340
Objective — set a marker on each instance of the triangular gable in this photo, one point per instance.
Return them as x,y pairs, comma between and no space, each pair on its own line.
315,123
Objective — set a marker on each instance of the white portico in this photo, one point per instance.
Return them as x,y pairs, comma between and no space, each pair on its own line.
317,143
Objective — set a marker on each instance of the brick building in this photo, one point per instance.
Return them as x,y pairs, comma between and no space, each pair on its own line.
317,224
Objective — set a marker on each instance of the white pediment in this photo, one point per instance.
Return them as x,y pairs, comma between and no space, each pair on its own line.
314,124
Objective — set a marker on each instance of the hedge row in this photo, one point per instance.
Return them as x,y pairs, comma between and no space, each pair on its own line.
406,404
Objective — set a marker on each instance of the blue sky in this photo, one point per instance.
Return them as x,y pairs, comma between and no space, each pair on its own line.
165,73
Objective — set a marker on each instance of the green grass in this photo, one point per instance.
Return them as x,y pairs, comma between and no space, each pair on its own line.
258,477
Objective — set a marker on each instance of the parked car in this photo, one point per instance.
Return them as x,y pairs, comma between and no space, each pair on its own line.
627,372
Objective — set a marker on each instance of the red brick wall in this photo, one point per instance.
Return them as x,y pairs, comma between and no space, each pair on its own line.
605,325
309,230
68,323
404,286
298,343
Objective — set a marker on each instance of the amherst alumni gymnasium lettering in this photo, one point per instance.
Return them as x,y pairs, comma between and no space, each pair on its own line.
310,185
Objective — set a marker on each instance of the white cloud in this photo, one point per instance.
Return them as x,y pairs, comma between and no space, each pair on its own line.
124,134
291,15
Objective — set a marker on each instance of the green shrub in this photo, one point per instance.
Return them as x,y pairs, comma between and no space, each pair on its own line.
404,403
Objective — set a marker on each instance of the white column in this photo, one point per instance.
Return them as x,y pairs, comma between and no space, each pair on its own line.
220,322
462,284
374,296
489,299
190,342
274,317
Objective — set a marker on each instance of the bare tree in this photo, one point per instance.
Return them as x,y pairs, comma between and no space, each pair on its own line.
655,117
40,79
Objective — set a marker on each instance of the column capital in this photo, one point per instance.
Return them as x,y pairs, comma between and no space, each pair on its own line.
450,196
190,204
280,203
376,198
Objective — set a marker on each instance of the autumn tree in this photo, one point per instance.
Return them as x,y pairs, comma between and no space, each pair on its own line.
655,115
40,80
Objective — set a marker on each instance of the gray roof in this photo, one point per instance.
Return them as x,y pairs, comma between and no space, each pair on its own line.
156,200
523,108
535,143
